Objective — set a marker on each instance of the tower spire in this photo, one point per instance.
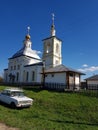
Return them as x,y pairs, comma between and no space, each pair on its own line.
53,26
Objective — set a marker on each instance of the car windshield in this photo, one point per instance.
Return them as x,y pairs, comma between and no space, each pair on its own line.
17,93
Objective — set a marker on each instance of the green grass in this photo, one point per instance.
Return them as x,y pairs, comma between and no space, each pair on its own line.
54,111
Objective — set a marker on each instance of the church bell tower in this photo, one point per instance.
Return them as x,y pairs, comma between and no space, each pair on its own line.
52,55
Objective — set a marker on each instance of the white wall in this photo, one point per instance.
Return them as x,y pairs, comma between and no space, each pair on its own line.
19,61
92,82
77,81
57,55
51,56
57,78
30,69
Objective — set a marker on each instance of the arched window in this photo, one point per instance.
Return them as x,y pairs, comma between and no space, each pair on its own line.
11,67
17,77
24,76
14,67
33,76
18,67
27,76
56,62
47,48
57,48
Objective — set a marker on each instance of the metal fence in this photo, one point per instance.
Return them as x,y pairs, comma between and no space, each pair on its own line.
92,87
54,86
49,86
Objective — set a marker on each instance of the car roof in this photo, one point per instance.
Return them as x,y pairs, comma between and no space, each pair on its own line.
14,89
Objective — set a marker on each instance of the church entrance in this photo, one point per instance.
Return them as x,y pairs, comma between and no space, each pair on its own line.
70,80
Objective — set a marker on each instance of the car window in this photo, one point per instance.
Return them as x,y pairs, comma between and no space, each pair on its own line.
12,94
6,93
3,93
17,94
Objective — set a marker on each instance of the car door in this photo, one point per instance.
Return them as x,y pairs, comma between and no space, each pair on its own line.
5,97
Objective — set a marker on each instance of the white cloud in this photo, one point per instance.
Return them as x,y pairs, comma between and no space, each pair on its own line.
37,52
89,69
85,65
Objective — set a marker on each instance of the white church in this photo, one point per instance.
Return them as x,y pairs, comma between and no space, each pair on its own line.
25,66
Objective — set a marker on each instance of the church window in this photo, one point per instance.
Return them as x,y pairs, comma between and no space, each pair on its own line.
29,45
57,48
52,75
27,76
11,67
18,67
48,48
24,75
14,67
56,62
33,75
17,76
45,75
71,74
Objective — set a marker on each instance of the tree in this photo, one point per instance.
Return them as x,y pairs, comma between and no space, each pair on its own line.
1,79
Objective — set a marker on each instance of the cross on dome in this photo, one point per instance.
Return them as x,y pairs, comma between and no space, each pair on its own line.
28,33
28,29
53,18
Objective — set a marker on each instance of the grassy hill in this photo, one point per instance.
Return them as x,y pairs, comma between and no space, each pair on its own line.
54,111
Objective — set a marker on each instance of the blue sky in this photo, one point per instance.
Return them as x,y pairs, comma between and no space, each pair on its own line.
76,23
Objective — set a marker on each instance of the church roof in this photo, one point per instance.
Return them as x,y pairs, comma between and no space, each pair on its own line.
52,37
26,52
94,77
60,69
39,64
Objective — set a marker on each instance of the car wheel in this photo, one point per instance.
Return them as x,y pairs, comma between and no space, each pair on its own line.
13,105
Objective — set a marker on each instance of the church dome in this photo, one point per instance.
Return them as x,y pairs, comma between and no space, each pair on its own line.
27,37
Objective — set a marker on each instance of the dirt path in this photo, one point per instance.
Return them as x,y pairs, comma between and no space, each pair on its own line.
5,127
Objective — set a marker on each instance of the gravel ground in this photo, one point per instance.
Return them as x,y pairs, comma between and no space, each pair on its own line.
5,127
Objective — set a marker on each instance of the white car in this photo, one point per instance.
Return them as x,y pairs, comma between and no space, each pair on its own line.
15,98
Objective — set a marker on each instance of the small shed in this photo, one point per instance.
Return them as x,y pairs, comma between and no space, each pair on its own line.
92,82
68,77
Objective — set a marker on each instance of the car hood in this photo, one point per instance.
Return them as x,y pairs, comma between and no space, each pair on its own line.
22,98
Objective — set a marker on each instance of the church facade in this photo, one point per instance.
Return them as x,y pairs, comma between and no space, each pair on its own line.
25,66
